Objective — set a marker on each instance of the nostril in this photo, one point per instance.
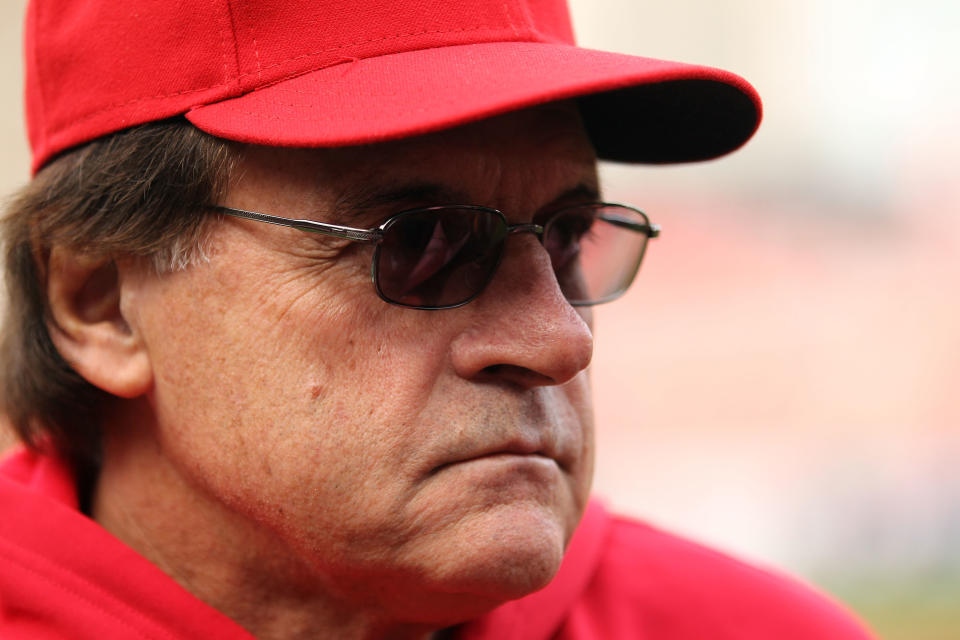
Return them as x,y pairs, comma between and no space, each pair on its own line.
514,375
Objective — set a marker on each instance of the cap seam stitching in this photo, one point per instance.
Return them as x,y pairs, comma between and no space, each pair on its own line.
256,54
509,14
226,75
528,17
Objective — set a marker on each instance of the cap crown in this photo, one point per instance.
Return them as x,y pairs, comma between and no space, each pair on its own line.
97,66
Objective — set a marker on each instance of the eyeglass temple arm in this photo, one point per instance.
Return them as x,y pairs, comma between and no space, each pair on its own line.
652,230
311,226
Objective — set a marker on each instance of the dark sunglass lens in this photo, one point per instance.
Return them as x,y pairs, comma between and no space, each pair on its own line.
596,250
439,257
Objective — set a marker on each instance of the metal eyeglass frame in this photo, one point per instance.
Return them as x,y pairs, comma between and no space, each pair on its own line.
376,235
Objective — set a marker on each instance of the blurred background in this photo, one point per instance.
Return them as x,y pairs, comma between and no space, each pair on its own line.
783,381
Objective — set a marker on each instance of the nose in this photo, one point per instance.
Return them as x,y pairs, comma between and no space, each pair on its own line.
523,330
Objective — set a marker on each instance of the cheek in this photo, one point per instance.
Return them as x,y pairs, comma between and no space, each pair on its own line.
294,400
307,410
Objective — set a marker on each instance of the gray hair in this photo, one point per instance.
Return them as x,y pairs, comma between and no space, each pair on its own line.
142,192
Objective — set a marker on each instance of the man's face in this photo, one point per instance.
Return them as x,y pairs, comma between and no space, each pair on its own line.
382,452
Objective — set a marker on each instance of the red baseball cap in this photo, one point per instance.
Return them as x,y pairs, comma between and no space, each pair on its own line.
329,73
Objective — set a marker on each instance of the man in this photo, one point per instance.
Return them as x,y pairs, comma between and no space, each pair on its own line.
283,367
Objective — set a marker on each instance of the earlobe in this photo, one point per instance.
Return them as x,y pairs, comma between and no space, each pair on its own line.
87,324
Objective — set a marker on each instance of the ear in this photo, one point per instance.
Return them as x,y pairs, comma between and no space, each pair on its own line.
87,325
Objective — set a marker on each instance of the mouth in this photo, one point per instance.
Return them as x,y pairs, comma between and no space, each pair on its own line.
516,451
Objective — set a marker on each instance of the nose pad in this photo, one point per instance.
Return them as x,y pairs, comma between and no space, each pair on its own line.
530,259
519,246
535,229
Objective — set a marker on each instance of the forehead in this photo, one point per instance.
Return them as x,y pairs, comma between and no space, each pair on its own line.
513,162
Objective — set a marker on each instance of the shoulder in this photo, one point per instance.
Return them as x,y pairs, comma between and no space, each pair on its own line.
671,587
624,579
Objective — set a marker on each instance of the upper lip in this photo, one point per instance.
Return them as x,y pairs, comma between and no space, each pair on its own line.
540,424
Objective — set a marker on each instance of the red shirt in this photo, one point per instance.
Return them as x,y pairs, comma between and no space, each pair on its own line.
64,576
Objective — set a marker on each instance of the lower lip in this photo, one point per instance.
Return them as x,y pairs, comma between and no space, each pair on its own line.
507,462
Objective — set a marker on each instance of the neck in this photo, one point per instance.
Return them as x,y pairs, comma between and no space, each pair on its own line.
231,564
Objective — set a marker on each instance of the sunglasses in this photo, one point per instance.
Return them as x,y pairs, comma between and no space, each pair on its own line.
443,257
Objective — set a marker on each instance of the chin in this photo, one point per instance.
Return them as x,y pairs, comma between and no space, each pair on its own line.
507,552
474,562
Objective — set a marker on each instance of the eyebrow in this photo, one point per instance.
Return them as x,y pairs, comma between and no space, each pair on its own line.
368,201
583,192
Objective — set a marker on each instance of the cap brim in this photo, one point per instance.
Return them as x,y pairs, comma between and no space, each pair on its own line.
635,109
